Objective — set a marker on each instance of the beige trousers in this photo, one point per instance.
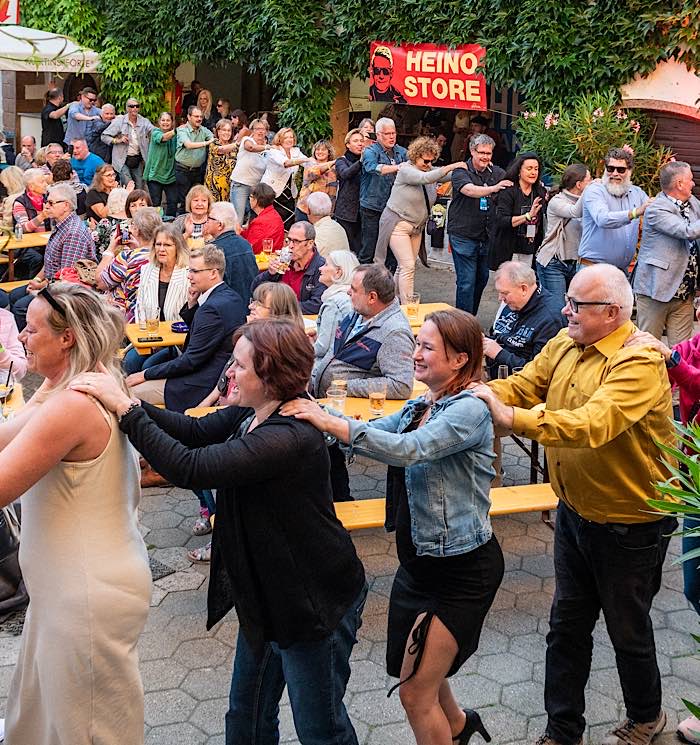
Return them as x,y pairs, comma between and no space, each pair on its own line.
151,391
676,316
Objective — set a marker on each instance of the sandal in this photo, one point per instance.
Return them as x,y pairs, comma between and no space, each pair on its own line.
202,525
201,554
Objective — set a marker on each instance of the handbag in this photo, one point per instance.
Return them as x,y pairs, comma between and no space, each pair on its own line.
132,161
431,226
13,593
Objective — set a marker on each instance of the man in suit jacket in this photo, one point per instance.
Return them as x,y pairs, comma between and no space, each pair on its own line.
213,311
666,275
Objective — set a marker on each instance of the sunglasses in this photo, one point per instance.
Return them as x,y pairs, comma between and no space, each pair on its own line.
428,161
51,300
91,100
616,169
381,70
575,304
133,106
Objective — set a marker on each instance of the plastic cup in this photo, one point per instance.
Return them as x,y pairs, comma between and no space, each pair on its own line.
336,398
412,307
377,397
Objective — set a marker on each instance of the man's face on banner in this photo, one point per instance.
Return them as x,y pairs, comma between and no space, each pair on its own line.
381,73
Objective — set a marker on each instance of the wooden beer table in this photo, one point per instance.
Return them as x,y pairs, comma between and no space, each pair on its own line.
169,338
29,240
423,310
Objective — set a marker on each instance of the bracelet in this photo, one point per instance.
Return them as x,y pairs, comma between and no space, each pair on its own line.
634,213
528,216
134,404
107,252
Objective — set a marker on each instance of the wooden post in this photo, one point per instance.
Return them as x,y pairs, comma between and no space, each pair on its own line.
340,116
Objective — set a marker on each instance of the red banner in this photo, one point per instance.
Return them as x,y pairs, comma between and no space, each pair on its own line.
427,75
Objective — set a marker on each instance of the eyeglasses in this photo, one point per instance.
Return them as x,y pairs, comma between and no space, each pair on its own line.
296,241
484,154
381,70
52,202
197,271
133,106
576,304
51,300
618,169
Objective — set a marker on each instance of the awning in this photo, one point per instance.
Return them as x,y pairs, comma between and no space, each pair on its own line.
29,50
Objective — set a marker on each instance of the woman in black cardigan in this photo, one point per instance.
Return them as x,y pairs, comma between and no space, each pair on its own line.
279,554
348,169
519,213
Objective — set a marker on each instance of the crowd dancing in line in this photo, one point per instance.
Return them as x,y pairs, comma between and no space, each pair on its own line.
172,220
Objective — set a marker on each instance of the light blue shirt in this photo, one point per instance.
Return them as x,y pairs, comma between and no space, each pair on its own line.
608,235
77,130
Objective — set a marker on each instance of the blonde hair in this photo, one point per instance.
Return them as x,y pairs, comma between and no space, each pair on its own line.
98,328
12,178
182,253
198,190
116,202
352,133
277,139
206,111
281,300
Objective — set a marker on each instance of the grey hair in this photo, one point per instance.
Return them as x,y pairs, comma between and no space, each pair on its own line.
109,106
670,172
481,140
385,121
517,272
131,100
319,204
32,174
347,262
225,213
308,228
615,287
116,201
147,222
63,191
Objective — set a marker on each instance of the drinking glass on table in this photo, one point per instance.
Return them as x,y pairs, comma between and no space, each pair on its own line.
7,385
336,398
340,383
412,307
267,245
502,372
377,396
152,320
140,314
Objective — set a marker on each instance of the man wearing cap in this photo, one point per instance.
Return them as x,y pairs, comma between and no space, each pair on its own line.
381,70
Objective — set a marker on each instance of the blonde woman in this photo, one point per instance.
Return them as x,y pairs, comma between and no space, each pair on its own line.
221,160
12,180
78,477
195,224
319,175
283,161
205,103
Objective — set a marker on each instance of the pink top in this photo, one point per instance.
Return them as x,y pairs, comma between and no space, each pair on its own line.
13,349
686,375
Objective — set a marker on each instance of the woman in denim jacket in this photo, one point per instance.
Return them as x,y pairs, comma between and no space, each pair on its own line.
439,452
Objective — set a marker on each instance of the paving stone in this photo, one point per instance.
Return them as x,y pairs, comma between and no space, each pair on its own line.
188,508
535,603
5,679
506,527
511,561
474,691
667,599
520,581
9,649
179,581
368,545
202,653
492,640
382,585
209,715
531,647
366,676
373,627
391,734
504,599
161,519
687,668
511,622
183,733
157,596
505,668
174,557
673,579
186,603
374,708
600,709
685,621
674,643
154,645
377,566
159,675
376,603
154,503
504,725
167,537
540,565
207,682
168,707
523,545
361,650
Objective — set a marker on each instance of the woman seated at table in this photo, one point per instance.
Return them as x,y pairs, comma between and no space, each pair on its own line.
12,352
266,223
116,219
162,284
279,554
119,271
195,224
221,158
11,186
103,182
336,275
82,556
137,198
28,207
438,449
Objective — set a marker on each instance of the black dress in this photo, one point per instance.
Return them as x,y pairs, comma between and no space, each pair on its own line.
459,589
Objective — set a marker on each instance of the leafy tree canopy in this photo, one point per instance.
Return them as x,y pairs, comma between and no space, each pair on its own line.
550,50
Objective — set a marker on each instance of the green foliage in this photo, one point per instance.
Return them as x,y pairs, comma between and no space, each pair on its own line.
586,129
550,50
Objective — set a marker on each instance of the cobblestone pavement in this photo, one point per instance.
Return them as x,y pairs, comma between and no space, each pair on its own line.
186,670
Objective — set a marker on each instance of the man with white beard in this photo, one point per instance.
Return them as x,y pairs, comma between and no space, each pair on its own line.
611,208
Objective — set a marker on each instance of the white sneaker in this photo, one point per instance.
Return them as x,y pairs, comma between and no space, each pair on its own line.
689,730
2,730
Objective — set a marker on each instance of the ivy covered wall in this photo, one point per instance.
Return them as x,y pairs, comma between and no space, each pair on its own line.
550,50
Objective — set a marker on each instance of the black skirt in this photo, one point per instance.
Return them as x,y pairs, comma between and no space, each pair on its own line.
460,598
284,204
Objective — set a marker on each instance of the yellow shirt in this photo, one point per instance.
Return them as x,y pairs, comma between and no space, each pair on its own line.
604,407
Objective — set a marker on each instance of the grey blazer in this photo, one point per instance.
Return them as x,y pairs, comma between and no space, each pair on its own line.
664,250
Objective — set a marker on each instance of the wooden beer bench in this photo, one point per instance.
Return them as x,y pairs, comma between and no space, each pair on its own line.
505,500
9,286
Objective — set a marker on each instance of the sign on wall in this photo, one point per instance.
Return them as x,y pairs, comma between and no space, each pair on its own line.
9,11
427,75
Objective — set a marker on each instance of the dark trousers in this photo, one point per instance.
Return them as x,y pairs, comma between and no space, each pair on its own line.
156,190
691,568
370,234
354,233
19,302
28,263
340,481
615,568
185,178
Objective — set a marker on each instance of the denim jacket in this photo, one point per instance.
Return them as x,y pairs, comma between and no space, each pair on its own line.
449,469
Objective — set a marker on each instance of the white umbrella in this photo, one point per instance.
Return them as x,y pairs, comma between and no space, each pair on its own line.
30,50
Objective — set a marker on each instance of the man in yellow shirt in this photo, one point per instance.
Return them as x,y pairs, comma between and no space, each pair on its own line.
598,407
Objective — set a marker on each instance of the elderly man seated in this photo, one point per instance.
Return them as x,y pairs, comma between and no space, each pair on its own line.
330,236
69,241
527,320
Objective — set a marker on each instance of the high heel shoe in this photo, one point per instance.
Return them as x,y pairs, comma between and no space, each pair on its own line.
472,725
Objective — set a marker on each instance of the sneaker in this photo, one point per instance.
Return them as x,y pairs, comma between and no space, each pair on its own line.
636,733
689,730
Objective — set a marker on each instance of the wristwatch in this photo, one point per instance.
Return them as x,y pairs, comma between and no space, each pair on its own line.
674,359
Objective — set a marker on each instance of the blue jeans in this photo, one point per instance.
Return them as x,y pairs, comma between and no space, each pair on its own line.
691,568
471,260
132,174
206,500
556,277
316,675
239,199
134,362
615,568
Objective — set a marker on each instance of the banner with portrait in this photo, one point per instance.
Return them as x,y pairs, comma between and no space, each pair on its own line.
427,75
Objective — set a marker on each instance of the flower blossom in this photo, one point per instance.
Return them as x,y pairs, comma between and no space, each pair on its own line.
628,148
551,120
598,113
528,114
635,126
620,115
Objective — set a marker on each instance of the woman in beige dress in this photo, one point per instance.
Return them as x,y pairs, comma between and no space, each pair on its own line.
83,559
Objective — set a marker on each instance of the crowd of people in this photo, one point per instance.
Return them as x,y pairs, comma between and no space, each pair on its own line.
565,367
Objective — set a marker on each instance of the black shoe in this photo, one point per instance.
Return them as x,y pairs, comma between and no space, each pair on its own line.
472,725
